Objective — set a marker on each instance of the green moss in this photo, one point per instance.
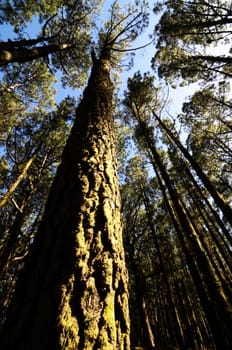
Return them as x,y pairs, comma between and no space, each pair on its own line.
108,313
91,333
84,184
68,324
107,268
109,330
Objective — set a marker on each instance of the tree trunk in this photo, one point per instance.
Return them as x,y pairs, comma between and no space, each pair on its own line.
217,197
73,290
208,205
20,177
11,243
212,294
144,335
25,55
178,331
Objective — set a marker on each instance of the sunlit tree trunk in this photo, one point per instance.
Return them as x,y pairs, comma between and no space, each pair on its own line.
72,293
218,198
23,54
213,298
5,198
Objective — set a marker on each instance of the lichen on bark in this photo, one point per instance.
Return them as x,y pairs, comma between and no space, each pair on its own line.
73,291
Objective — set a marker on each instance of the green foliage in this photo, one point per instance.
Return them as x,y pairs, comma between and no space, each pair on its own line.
194,22
211,146
44,135
122,29
67,25
184,35
141,97
140,90
19,13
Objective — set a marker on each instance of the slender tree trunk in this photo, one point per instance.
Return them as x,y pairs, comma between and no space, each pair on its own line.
218,199
208,205
73,290
151,339
211,240
212,295
146,337
11,243
16,262
14,236
21,176
196,276
178,331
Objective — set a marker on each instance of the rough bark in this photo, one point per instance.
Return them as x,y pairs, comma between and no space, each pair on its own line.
73,291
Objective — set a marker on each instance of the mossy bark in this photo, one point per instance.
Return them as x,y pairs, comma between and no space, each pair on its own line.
73,290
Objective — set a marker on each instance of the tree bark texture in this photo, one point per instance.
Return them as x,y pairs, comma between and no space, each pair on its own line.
72,293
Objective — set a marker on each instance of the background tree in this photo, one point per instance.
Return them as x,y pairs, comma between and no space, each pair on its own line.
140,106
28,64
32,159
211,147
168,290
